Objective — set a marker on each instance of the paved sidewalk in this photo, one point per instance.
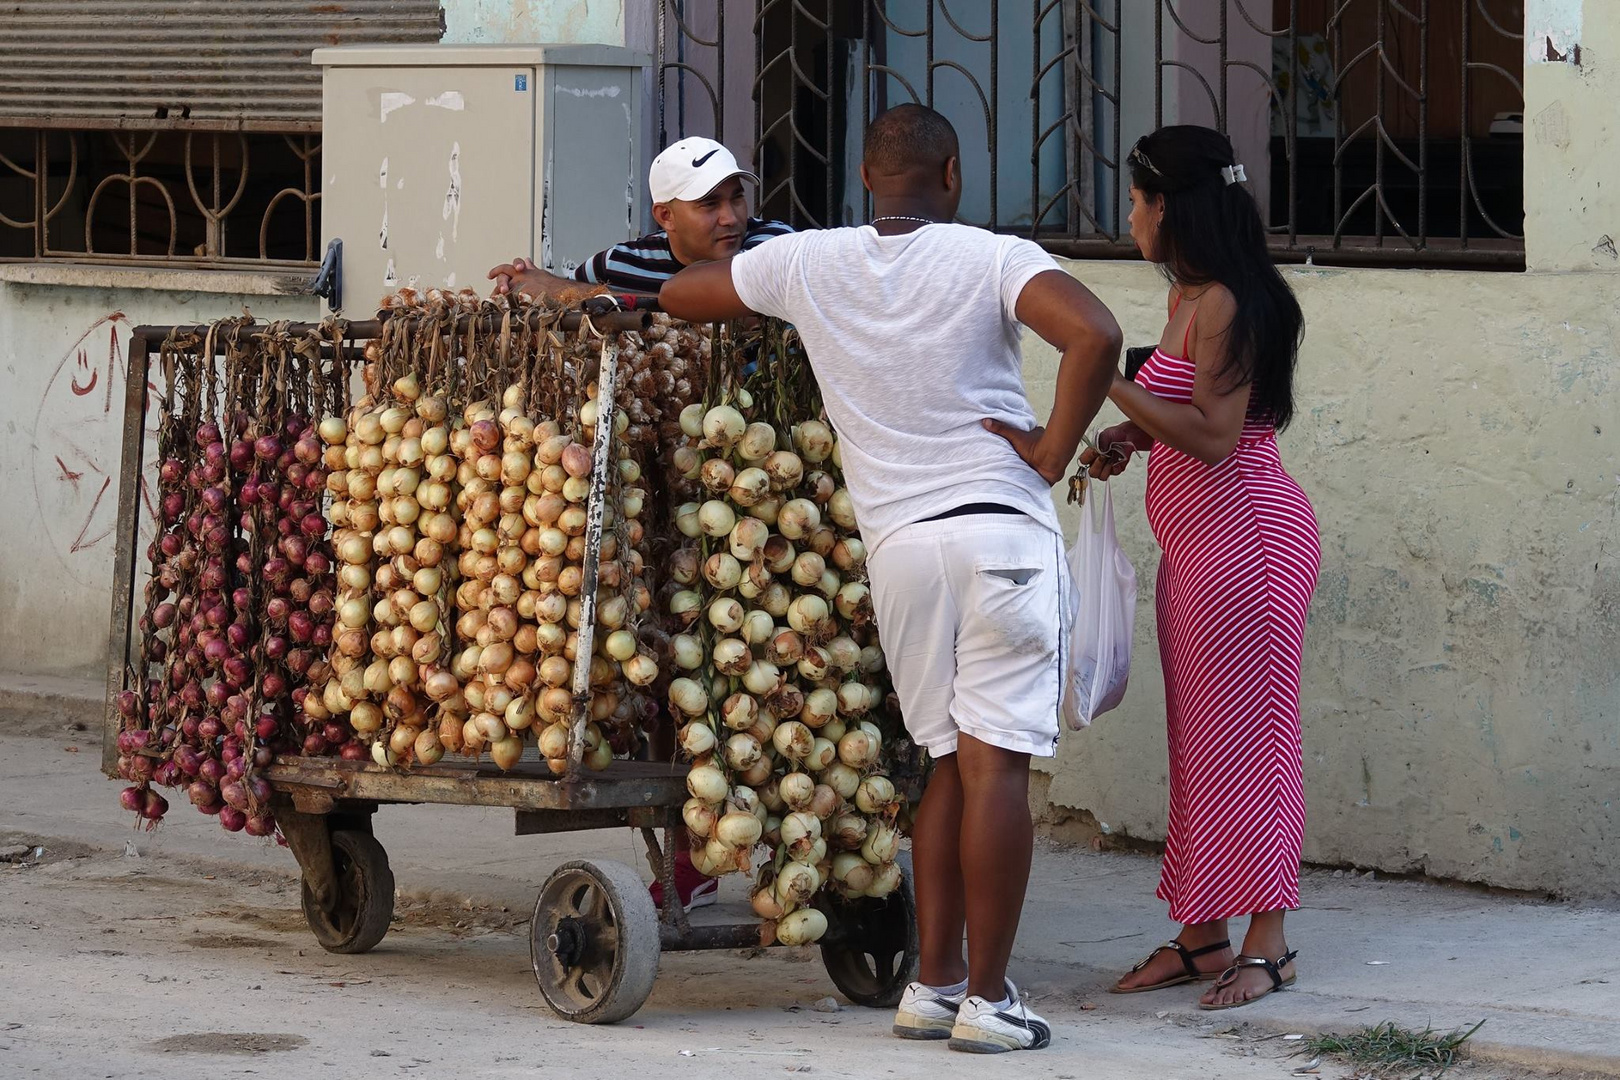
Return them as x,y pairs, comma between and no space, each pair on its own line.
1544,976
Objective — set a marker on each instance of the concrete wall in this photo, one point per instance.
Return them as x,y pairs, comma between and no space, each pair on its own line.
1459,437
62,353
481,22
1457,434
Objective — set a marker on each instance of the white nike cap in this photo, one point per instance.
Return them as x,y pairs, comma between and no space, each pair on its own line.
691,168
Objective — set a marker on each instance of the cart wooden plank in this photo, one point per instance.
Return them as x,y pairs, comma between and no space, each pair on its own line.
528,786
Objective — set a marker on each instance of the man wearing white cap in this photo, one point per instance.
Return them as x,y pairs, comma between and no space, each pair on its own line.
701,207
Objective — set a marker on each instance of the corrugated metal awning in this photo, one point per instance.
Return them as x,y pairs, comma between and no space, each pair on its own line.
167,63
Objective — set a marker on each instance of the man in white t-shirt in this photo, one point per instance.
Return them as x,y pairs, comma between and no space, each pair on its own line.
911,325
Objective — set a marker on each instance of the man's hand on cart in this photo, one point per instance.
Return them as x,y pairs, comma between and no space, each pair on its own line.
521,275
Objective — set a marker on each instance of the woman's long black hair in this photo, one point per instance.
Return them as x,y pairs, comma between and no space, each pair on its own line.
1211,232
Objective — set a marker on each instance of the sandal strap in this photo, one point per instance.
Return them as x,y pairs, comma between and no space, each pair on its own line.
1215,948
1270,967
1184,953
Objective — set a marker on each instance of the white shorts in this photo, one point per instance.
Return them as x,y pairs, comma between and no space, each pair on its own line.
969,614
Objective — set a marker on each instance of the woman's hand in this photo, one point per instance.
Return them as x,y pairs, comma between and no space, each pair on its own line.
1113,452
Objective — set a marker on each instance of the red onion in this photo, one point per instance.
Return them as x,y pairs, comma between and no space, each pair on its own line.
213,472
235,794
202,793
274,685
323,634
236,768
188,759
237,671
237,635
188,728
299,662
212,770
156,806
132,799
267,448
266,727
236,708
277,608
129,704
173,504
297,473
209,432
314,746
171,472
170,543
261,825
301,626
192,694
320,602
313,525
159,650
262,757
244,563
232,819
141,767
217,694
269,494
167,774
296,548
163,616
241,455
208,728
216,650
354,751
317,564
258,789
275,647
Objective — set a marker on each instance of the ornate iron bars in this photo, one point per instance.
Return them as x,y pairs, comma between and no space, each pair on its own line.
180,197
1372,130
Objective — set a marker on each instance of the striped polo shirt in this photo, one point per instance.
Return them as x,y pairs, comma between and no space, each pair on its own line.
644,265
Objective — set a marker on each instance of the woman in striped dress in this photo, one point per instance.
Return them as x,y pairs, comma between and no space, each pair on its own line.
1240,562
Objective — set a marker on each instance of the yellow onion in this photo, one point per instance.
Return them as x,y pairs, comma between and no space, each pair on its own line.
882,843
739,830
875,795
707,783
853,872
792,740
700,818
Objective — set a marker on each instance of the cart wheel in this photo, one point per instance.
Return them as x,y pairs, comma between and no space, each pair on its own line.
594,941
871,951
365,901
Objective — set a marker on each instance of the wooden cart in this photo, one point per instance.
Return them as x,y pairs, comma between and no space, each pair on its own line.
595,937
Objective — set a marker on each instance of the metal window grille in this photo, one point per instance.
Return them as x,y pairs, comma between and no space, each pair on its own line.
173,132
1379,131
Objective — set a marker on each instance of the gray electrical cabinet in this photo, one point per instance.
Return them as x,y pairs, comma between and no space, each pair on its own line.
440,162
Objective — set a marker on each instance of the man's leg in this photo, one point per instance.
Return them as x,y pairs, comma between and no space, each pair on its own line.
997,842
936,854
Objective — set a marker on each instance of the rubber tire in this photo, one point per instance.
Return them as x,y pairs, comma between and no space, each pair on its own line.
850,971
634,959
366,904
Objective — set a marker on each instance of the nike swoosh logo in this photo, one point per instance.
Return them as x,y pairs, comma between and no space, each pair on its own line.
697,163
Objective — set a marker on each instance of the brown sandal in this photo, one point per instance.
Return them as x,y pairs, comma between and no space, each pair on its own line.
1271,967
1190,974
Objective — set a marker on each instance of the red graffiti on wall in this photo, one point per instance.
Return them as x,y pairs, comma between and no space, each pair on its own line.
77,444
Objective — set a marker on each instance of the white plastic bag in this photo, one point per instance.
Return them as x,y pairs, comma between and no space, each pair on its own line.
1102,602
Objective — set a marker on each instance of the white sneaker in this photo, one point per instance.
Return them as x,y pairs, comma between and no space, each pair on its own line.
925,1013
982,1028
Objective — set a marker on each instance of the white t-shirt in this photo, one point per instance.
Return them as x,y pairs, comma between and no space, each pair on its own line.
914,341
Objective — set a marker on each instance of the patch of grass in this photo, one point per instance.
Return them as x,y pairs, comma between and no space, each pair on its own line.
1387,1050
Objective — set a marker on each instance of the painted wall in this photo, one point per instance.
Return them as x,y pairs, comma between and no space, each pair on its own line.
1572,78
1457,434
1459,438
62,354
483,22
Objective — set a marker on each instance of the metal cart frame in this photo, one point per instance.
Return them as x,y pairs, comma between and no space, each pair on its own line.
595,937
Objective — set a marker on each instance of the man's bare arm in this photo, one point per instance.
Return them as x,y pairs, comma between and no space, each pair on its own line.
702,294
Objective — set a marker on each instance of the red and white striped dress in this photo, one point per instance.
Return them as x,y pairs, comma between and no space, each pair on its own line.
1241,552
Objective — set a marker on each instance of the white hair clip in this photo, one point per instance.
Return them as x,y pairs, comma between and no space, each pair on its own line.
1233,174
